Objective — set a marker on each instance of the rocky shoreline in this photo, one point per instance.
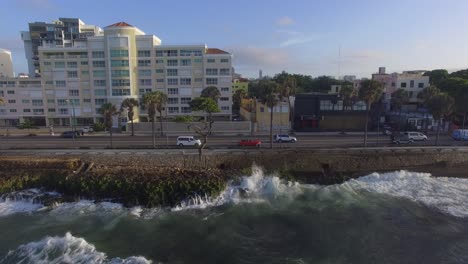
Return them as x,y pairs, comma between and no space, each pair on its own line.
167,180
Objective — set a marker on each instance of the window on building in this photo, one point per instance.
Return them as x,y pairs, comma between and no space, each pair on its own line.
173,91
159,70
120,82
197,60
224,60
84,73
198,80
72,74
38,111
403,85
172,100
185,81
51,110
26,110
100,101
72,64
420,85
49,82
225,108
100,92
63,111
99,64
97,54
171,53
159,61
225,89
211,71
62,102
186,62
172,81
144,53
51,101
173,110
119,53
99,83
12,101
224,71
159,53
185,100
120,92
83,63
119,63
60,83
144,72
74,92
37,102
144,82
211,81
172,72
224,99
411,84
410,94
120,73
326,105
99,73
172,63
87,100
211,60
24,101
12,110
59,64
144,63
10,92
160,80
186,110
47,63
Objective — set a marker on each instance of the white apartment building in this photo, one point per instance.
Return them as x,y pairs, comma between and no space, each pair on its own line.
121,63
6,64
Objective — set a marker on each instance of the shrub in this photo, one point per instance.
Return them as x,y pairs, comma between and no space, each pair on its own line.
97,127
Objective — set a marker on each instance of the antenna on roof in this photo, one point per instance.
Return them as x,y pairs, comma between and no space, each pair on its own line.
339,61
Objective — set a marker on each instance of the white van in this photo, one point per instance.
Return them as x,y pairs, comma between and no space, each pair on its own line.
183,141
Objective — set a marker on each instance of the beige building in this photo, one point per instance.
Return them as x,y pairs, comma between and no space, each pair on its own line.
6,64
123,62
259,114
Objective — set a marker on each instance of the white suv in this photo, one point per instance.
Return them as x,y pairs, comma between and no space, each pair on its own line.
284,138
416,136
183,141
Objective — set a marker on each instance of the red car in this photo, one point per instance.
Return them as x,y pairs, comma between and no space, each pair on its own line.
250,143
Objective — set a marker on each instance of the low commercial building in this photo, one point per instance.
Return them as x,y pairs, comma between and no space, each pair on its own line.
240,84
259,114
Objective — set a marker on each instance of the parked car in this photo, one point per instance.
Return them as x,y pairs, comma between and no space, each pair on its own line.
70,134
284,138
415,136
250,143
403,139
460,134
87,129
183,141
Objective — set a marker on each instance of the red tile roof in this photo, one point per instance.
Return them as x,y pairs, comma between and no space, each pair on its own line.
216,51
120,24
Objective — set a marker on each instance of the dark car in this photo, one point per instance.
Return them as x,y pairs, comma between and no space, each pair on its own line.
70,134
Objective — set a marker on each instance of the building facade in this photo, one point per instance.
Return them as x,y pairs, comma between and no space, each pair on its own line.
259,114
121,63
240,84
6,64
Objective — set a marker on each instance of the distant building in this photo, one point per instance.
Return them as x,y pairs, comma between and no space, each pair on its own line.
335,89
260,74
240,84
6,64
259,114
64,32
349,78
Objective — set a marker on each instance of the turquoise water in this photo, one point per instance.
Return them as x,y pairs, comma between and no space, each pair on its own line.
399,217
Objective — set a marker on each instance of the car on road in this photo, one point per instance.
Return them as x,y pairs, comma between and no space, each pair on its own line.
87,129
70,134
460,134
284,138
250,143
184,141
403,139
415,136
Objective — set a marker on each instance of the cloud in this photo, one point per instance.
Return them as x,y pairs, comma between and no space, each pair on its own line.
285,21
296,38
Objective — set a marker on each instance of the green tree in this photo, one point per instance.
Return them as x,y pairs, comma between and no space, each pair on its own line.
460,74
427,93
287,89
270,98
437,76
129,104
108,110
237,99
441,106
370,92
399,98
211,92
154,102
209,106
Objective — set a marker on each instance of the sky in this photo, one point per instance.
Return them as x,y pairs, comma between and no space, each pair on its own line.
329,37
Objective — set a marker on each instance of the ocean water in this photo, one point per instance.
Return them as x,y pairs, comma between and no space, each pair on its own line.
396,217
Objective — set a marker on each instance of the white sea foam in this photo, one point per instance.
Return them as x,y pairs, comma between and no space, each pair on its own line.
66,249
450,195
23,201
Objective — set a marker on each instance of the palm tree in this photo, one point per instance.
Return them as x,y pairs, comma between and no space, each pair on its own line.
287,89
440,105
370,91
269,97
237,99
108,110
155,101
399,98
130,104
211,92
347,95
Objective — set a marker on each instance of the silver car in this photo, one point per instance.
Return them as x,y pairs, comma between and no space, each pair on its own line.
415,136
